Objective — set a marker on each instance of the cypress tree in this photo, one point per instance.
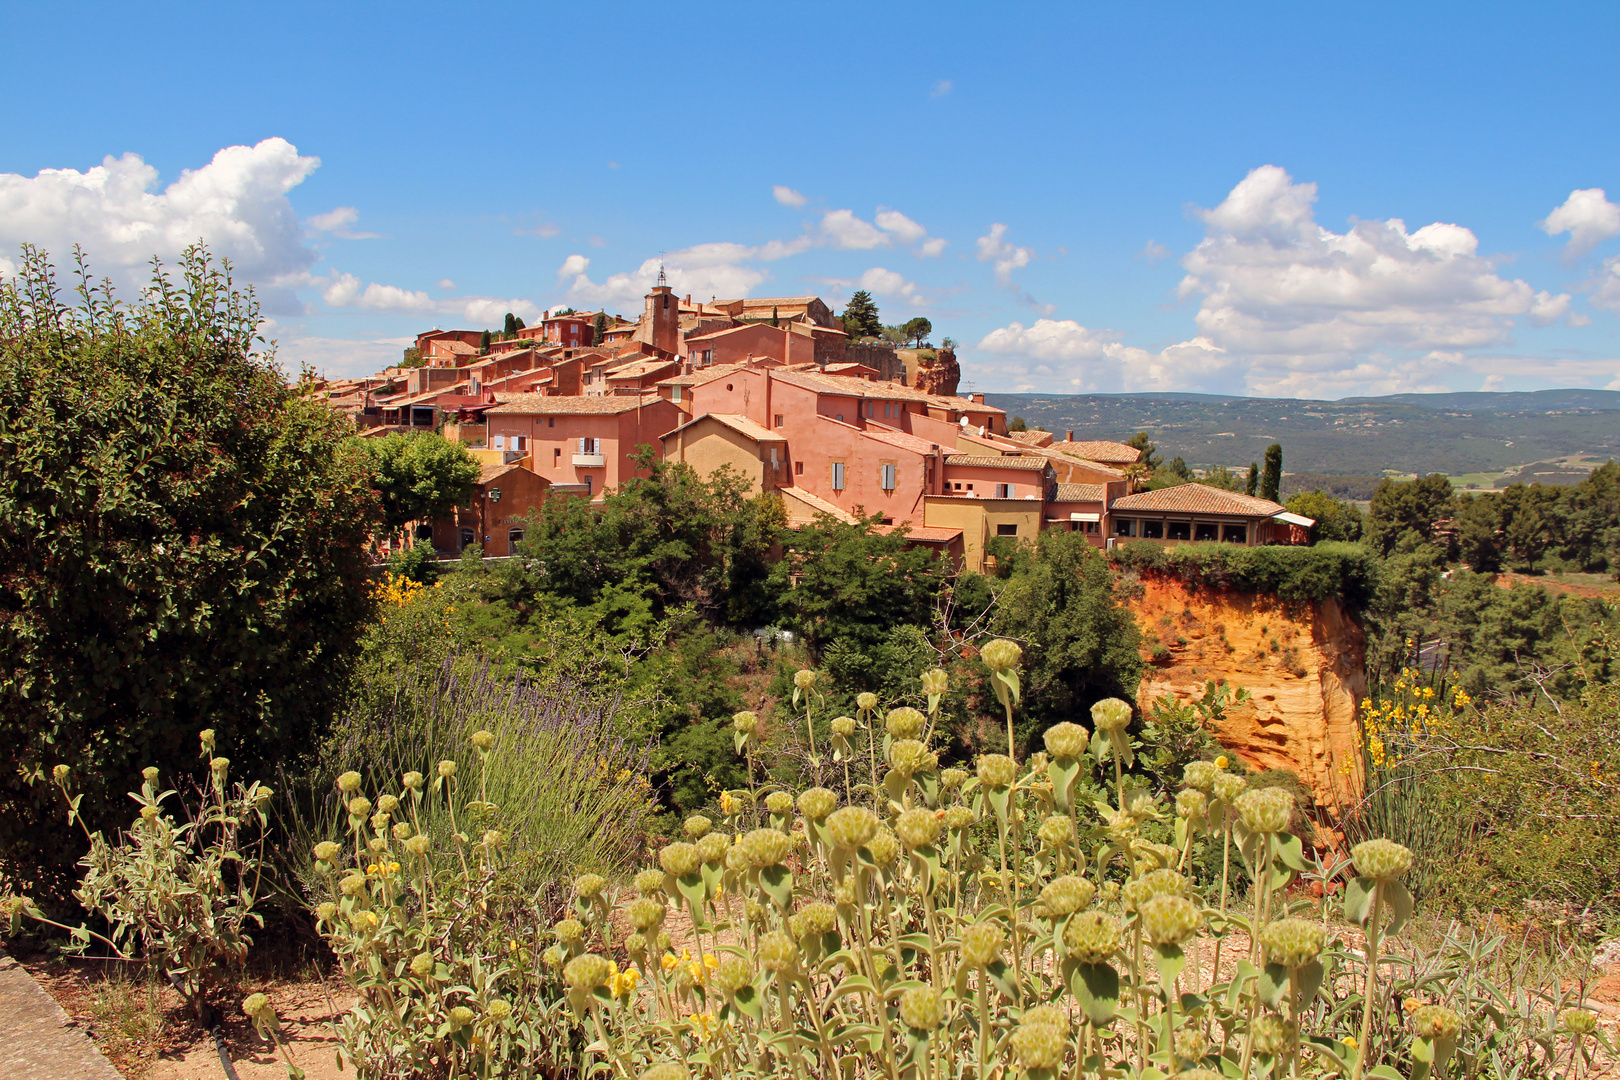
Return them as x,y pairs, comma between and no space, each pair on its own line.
1253,484
1271,478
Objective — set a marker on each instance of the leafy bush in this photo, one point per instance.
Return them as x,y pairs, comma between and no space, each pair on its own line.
1346,571
182,544
179,893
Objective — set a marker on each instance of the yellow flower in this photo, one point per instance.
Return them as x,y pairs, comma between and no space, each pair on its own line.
727,804
704,1022
1222,762
669,962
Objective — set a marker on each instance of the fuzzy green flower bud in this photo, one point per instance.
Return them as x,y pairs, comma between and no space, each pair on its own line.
149,813
981,944
1055,830
851,827
997,770
917,828
1192,804
951,779
1273,1035
1066,741
1436,1022
649,882
401,830
663,1071
636,945
1383,860
1170,920
778,952
359,806
326,912
218,766
1200,776
447,769
884,847
745,722
326,851
554,957
866,701
907,757
1038,1043
1293,942
379,823
905,722
388,803
206,737
679,859
1164,882
804,678
498,1009
353,885
734,973
1195,1074
1578,1021
766,847
1066,895
819,918
935,682
422,965
419,845
1227,788
150,774
586,972
1111,714
713,847
737,857
843,725
922,1009
1001,655
1092,937
1191,1045
645,913
483,740
589,886
461,1016
256,1005
569,931
958,818
779,803
816,803
697,827
411,781
1266,810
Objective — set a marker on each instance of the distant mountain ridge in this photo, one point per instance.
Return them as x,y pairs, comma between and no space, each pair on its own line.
1454,433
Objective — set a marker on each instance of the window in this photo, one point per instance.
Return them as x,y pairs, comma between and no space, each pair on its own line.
1005,491
708,356
1153,530
840,418
887,475
778,419
1006,530
675,394
467,539
551,421
500,442
838,476
1235,534
424,532
1088,527
513,536
590,446
798,468
1204,530
1179,530
958,485
1124,527
869,410
589,480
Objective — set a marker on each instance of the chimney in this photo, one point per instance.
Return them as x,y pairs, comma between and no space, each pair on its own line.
978,399
1068,436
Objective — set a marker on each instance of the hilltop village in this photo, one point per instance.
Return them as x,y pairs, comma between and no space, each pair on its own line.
776,389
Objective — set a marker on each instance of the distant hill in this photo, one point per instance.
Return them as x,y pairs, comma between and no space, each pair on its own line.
1407,433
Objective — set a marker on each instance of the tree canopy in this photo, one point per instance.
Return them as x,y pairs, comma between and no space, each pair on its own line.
861,316
420,475
182,542
1271,475
1150,453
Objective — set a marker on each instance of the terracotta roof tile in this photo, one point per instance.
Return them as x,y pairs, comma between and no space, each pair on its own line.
736,422
1081,493
975,460
1109,453
1198,499
548,405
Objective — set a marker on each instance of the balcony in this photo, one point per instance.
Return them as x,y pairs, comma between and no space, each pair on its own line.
590,461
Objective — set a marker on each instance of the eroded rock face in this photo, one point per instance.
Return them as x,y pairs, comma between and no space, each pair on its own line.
939,375
1304,665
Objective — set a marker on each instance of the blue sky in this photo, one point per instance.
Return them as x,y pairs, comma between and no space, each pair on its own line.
1264,199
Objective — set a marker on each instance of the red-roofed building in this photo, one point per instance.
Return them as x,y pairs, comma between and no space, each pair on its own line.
580,440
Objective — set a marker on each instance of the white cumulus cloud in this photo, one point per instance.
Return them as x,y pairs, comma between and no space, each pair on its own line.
995,247
1589,218
1305,303
910,233
1084,360
787,196
885,282
237,204
843,230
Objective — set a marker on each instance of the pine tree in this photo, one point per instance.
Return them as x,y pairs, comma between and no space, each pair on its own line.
511,326
599,328
1253,484
1271,478
483,343
861,316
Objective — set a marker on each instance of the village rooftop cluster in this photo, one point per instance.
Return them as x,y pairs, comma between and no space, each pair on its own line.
774,388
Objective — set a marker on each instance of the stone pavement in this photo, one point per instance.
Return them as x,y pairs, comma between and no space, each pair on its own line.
37,1040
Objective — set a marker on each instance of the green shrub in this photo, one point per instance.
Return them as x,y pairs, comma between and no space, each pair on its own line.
1346,571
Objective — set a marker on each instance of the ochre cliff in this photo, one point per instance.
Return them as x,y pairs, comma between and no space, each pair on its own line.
1304,664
